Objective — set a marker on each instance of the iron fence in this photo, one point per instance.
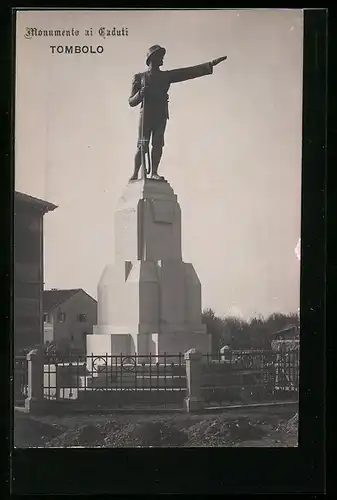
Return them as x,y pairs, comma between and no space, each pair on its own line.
160,380
116,380
250,376
20,380
287,370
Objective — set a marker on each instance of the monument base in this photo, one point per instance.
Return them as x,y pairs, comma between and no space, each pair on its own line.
179,343
149,299
146,344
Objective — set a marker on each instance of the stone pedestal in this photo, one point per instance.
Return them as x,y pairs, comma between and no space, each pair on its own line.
149,300
34,403
193,400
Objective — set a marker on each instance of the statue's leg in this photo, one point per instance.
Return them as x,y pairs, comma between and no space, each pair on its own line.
157,145
156,155
137,165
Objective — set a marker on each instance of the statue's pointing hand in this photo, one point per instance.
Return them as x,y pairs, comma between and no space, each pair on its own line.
218,60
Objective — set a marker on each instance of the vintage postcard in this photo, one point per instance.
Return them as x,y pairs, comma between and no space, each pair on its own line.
158,160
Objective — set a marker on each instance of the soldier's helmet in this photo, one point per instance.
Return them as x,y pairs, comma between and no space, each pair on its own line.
153,50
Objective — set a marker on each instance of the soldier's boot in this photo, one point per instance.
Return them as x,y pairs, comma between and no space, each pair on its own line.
156,177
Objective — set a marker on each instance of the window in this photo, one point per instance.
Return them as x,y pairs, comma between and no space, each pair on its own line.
61,317
82,318
45,317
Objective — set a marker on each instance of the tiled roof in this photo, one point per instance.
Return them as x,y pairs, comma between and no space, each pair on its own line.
53,298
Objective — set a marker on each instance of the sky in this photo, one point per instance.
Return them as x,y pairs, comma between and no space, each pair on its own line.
232,154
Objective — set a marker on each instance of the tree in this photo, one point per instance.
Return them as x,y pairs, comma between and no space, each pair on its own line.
241,334
235,330
258,331
214,328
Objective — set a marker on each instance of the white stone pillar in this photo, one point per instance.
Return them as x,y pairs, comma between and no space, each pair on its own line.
193,400
35,399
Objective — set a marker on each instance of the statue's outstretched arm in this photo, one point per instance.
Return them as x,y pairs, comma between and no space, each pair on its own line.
183,74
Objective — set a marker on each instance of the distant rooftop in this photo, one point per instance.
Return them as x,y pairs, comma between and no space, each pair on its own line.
287,329
55,297
43,205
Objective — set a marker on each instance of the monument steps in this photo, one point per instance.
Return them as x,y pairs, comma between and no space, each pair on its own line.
132,381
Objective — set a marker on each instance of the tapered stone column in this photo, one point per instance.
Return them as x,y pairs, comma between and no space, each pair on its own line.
149,300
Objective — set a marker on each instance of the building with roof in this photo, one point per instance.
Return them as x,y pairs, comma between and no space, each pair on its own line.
28,269
290,332
69,315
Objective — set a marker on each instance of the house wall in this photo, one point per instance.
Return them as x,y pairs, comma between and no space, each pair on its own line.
28,276
72,330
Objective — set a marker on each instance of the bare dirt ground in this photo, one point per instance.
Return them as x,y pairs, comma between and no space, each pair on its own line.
238,428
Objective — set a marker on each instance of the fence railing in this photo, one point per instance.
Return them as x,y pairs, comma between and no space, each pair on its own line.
20,379
255,375
116,379
123,380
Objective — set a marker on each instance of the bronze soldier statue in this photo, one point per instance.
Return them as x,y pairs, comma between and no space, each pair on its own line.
150,90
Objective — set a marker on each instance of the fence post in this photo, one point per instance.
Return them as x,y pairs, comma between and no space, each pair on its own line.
57,382
34,401
193,400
